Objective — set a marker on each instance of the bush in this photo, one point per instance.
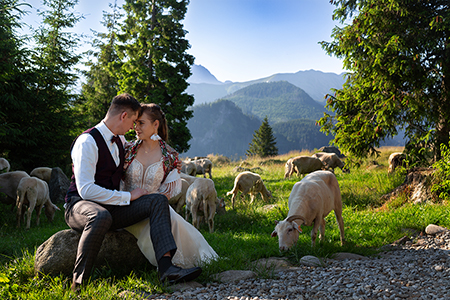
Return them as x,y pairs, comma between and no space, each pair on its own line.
441,177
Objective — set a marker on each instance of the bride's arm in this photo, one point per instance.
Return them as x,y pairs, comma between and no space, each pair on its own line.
172,185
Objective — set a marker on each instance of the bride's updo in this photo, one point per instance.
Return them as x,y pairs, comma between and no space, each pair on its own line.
154,112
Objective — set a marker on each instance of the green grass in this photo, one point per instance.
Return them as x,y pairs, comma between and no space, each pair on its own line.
241,235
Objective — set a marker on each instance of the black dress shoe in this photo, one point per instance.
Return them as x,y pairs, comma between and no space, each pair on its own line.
176,274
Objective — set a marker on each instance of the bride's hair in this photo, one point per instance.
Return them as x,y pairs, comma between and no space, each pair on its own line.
154,112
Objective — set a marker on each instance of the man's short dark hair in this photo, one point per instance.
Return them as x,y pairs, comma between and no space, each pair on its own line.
124,102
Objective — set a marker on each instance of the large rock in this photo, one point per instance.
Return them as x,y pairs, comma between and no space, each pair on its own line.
57,255
58,185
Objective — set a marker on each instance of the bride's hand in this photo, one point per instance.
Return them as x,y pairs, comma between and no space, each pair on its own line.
136,193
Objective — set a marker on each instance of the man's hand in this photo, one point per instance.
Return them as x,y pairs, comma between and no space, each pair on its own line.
136,193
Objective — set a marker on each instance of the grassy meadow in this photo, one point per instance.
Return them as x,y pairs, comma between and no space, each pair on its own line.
241,235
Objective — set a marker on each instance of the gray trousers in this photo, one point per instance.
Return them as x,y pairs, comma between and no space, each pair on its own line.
93,220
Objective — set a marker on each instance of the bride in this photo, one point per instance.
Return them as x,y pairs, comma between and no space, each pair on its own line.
151,164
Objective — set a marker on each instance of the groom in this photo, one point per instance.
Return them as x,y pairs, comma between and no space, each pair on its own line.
94,204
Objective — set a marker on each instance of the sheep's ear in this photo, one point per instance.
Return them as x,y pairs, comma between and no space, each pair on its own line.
276,221
274,233
296,227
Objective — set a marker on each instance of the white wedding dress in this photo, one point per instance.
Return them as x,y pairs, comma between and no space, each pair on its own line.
192,248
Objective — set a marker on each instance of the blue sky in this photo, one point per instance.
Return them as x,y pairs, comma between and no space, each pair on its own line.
241,40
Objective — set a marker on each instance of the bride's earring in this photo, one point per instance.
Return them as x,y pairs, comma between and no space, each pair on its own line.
155,137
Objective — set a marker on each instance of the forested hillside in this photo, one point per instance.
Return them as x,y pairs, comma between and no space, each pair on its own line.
280,101
299,134
220,128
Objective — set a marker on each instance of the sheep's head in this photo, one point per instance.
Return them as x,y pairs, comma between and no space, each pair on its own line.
50,211
220,206
288,232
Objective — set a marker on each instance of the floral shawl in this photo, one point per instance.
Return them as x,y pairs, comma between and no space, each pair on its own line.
170,156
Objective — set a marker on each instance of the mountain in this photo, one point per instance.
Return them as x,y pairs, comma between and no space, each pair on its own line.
200,74
315,83
223,128
299,134
220,128
280,101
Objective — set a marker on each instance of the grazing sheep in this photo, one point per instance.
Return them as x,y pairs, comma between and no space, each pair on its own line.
330,161
43,173
396,160
4,165
332,149
203,166
189,167
178,201
248,182
310,201
33,192
188,178
302,165
220,206
8,186
201,196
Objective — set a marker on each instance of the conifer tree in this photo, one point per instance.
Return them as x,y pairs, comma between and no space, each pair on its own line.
156,66
263,143
44,126
103,75
398,56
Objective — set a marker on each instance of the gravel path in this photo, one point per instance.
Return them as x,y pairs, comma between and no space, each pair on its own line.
418,269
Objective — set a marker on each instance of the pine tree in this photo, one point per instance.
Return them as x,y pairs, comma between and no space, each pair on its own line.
44,124
263,143
104,69
156,66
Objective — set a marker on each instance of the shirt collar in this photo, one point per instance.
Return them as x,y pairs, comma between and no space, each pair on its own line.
104,130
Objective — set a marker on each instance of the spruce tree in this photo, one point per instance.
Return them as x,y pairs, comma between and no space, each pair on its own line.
156,66
103,75
263,143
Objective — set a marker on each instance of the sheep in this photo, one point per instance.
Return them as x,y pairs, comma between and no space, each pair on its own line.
396,160
33,192
178,201
248,182
201,195
4,165
332,149
43,173
330,161
189,167
302,165
203,166
8,186
310,201
188,178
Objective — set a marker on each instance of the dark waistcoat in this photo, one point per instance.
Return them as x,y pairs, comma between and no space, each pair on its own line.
107,174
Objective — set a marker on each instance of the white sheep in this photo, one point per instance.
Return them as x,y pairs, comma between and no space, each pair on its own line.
190,179
310,201
34,193
396,160
178,201
201,196
189,167
249,183
43,173
203,166
4,165
302,165
8,186
330,161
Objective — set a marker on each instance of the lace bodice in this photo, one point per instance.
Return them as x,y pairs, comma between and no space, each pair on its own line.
150,180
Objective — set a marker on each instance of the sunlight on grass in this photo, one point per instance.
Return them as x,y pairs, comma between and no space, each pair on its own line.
242,235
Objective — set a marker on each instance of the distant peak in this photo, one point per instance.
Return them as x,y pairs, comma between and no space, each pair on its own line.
200,74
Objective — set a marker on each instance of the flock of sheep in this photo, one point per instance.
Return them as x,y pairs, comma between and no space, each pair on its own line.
27,192
310,200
